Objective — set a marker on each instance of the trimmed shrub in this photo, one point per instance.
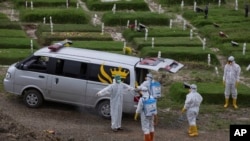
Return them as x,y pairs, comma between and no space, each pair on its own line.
212,93
64,16
137,5
45,3
147,18
17,43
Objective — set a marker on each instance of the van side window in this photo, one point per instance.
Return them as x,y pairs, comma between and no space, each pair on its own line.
105,75
71,68
37,64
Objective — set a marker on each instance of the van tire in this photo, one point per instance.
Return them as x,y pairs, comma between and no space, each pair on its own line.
104,109
32,98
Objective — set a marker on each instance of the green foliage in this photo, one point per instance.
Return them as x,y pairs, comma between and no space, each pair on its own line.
45,3
100,45
64,16
195,54
47,38
18,43
188,2
10,56
168,42
68,28
12,33
156,31
137,5
212,93
147,18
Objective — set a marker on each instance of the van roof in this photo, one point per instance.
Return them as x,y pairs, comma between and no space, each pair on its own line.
87,53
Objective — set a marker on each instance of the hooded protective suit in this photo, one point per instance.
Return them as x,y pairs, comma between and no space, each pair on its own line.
116,91
147,122
192,104
231,77
147,82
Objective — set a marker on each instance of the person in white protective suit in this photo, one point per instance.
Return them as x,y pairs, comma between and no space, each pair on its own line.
147,82
191,107
116,91
231,79
147,122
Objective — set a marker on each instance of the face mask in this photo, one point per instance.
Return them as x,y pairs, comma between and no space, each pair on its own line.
118,81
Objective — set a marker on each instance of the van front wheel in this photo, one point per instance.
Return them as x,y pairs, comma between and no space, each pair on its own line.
104,109
33,98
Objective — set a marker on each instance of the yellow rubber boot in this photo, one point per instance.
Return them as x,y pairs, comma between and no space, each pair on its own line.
226,102
234,103
194,131
189,130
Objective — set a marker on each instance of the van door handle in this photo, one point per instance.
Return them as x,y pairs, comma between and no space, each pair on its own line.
41,76
57,80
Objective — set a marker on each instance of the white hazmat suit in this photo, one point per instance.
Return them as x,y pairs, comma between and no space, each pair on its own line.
231,78
116,91
192,106
147,122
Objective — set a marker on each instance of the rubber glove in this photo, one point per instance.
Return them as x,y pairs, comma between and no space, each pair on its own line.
183,110
136,116
236,84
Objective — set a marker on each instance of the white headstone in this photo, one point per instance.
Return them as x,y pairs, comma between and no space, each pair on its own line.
51,27
208,59
184,25
170,23
236,5
191,34
159,54
182,4
102,28
244,48
77,5
114,8
26,4
153,42
159,9
216,71
50,19
124,44
219,3
31,46
146,34
135,25
12,15
127,23
195,6
204,44
67,3
95,20
44,20
248,67
31,5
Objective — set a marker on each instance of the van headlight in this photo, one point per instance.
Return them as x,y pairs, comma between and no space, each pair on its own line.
8,75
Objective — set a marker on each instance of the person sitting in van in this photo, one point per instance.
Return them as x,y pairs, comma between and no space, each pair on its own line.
116,91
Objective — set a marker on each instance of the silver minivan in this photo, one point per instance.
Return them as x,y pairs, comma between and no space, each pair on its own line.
74,76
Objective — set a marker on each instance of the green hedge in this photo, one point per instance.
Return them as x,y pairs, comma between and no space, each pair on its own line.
167,42
69,28
45,3
12,33
70,15
136,5
212,93
147,18
10,56
47,38
100,45
18,43
188,2
181,54
156,31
